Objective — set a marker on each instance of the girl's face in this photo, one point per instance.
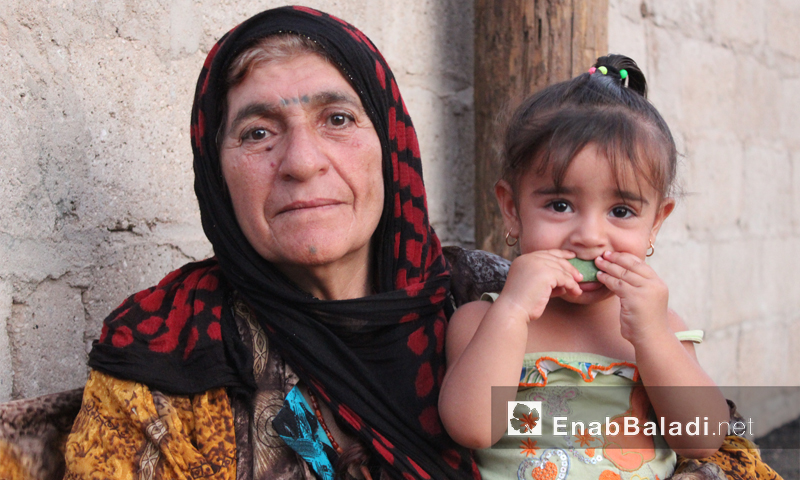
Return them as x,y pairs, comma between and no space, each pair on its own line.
594,211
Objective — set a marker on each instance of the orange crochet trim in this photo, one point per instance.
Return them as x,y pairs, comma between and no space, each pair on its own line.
591,378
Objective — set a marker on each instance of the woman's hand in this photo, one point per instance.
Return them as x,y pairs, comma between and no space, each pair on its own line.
642,294
536,277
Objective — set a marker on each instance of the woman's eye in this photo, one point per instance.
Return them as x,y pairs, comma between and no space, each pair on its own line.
256,134
560,206
621,212
339,119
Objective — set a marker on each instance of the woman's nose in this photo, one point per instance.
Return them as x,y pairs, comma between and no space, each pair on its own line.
303,154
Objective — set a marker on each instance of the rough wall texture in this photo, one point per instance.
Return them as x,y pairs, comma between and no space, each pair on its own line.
96,195
726,76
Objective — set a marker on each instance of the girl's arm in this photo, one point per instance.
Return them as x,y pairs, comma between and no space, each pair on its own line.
485,348
669,369
681,391
486,345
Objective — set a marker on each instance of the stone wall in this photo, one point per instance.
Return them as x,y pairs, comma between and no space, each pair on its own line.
96,193
726,76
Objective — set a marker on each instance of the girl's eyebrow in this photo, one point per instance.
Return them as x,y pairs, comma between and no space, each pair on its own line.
631,197
553,190
619,193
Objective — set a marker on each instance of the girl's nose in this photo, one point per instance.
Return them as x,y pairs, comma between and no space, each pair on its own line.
303,156
590,233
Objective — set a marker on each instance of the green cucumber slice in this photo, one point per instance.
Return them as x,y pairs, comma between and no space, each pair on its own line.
586,267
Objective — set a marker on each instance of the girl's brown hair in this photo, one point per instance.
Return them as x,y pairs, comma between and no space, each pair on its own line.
609,110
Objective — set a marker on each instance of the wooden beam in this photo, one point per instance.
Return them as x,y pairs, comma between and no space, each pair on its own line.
521,47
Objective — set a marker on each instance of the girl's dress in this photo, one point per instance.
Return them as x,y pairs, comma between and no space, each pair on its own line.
583,398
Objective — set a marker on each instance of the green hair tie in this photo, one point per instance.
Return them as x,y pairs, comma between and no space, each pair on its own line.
623,74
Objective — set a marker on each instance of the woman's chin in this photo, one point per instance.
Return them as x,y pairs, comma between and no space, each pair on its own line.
319,248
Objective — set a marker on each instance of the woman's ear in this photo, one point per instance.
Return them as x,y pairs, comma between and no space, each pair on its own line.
664,209
508,207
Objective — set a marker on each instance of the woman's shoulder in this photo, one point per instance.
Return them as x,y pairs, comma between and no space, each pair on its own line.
474,272
169,336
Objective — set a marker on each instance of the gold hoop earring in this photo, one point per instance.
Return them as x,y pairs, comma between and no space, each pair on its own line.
650,250
515,239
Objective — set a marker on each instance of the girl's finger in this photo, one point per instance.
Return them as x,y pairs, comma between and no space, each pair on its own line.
557,292
617,272
570,270
618,286
561,263
629,262
561,253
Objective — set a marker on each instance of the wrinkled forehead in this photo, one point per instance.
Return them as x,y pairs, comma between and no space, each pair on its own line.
290,82
285,32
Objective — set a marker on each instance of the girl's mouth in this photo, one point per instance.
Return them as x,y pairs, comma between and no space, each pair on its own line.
590,286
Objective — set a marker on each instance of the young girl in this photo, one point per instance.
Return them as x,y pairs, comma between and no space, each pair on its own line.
588,168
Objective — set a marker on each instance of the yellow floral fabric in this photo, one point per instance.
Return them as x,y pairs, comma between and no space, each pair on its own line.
738,459
13,464
126,431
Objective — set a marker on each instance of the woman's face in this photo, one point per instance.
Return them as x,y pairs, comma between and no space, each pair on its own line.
302,162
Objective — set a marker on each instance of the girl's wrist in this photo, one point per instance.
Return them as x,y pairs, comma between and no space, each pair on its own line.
651,337
506,307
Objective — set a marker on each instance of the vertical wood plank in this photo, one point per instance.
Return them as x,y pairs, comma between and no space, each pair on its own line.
522,46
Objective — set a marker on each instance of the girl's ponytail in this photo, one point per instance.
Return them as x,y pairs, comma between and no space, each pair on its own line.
624,70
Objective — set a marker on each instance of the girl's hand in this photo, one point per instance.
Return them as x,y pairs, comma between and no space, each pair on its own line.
534,278
642,294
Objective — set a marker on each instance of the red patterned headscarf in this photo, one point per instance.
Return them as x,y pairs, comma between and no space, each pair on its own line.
377,361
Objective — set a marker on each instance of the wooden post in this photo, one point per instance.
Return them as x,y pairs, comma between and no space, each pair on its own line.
522,46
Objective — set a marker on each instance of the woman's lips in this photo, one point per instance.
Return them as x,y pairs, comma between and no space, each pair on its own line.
306,204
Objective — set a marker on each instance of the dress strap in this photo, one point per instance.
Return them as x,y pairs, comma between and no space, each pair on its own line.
694,336
489,296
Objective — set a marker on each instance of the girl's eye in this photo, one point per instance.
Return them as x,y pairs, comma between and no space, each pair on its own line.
560,206
621,212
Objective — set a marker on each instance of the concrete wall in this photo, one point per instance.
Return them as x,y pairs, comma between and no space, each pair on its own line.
96,195
726,76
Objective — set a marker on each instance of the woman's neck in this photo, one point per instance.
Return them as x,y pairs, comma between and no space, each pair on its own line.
349,277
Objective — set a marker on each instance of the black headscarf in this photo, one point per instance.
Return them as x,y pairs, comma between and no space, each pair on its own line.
377,361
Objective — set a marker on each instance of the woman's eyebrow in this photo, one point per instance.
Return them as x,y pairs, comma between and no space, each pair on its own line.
271,109
253,110
335,96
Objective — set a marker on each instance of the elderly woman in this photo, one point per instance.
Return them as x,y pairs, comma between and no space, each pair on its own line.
315,336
